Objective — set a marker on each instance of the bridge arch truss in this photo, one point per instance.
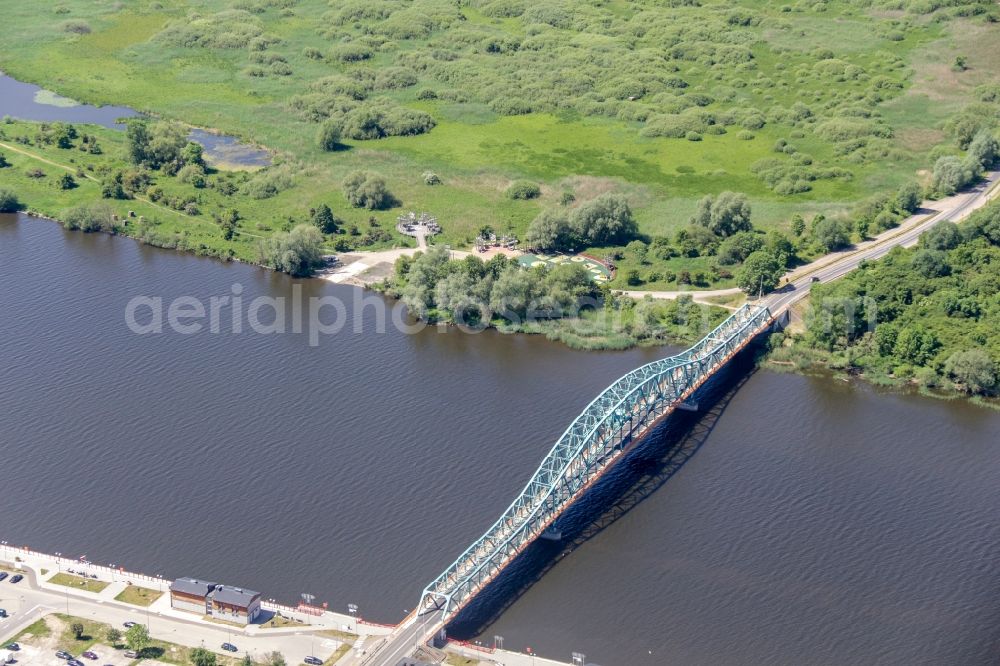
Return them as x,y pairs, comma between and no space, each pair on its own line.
621,415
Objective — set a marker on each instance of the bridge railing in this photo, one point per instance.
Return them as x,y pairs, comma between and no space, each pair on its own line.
618,416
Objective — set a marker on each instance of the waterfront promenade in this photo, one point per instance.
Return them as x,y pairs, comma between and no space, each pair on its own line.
311,634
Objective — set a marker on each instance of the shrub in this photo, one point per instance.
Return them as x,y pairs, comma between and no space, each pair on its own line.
366,189
297,252
97,216
192,174
431,178
328,136
229,29
351,53
381,120
522,189
76,27
267,183
9,202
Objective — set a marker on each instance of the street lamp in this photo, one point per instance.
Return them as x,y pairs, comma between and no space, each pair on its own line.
353,610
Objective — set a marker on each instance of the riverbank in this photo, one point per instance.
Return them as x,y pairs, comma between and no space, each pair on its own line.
335,638
924,315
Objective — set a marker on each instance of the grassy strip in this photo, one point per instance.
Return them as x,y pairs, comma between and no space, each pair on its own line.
78,583
138,596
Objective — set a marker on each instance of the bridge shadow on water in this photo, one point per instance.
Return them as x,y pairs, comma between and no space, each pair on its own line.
643,470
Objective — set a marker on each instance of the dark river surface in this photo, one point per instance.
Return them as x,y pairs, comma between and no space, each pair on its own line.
813,522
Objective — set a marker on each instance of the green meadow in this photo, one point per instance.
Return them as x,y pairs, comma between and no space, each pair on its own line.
663,104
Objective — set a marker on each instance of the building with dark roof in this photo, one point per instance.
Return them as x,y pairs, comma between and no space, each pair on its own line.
225,602
235,604
192,595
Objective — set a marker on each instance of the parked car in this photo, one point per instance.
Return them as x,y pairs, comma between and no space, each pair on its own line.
74,662
13,647
128,625
3,613
3,574
64,655
131,654
313,661
90,655
229,647
16,578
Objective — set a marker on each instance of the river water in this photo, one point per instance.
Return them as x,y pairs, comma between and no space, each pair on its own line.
28,101
812,521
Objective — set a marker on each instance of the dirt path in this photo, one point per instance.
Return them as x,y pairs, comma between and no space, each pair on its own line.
74,170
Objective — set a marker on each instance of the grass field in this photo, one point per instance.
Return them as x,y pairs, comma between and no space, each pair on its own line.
78,583
139,596
596,79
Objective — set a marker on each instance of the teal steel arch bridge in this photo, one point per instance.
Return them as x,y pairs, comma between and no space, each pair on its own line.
620,416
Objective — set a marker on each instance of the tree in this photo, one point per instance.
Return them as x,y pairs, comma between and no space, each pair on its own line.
973,369
137,637
724,215
193,153
247,660
831,234
760,273
137,141
77,629
950,175
328,136
908,197
514,292
983,149
113,636
798,225
738,247
915,345
606,220
930,263
942,236
274,659
298,252
366,189
324,220
228,220
8,201
202,657
550,230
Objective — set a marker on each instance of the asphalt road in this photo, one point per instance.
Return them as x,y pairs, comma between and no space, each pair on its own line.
829,270
405,639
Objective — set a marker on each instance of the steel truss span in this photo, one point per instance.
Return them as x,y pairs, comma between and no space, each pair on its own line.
618,417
